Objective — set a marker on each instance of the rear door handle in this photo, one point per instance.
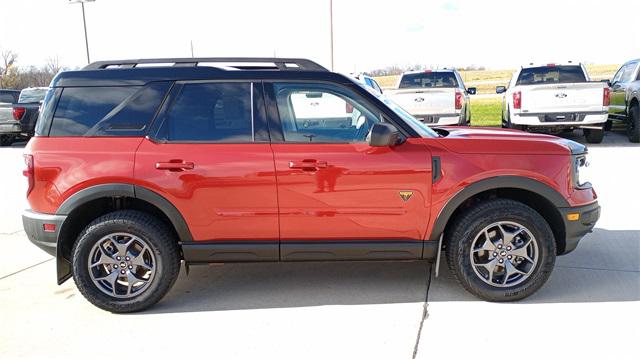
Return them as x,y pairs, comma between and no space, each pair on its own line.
308,165
175,165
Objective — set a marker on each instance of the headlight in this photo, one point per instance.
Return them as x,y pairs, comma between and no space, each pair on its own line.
581,171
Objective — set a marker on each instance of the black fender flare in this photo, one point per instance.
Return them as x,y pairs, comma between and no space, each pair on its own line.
498,182
115,190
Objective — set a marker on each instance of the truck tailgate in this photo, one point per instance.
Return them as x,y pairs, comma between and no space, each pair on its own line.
572,97
425,101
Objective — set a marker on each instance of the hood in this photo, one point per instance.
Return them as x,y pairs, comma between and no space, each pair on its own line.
506,141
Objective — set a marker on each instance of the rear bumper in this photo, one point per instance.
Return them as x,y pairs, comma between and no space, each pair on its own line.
568,119
10,128
576,229
33,223
440,119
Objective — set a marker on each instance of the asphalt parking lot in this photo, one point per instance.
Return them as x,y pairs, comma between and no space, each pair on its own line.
590,308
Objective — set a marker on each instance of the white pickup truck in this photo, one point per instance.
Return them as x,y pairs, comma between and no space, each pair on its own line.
435,97
554,98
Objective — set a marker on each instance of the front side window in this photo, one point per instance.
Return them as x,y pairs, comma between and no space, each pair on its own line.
212,112
627,72
323,114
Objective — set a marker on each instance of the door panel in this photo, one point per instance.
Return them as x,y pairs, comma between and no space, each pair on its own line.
355,193
227,191
209,157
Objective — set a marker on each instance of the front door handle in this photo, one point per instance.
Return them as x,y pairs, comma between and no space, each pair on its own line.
308,165
175,165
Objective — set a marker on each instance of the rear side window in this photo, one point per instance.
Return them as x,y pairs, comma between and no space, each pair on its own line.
428,80
107,111
551,75
211,112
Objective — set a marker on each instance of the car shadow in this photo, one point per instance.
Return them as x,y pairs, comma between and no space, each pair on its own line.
616,137
604,268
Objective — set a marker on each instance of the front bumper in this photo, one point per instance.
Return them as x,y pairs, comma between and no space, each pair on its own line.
33,223
588,215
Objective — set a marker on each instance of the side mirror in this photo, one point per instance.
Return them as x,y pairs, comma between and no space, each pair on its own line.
501,89
606,81
384,135
472,90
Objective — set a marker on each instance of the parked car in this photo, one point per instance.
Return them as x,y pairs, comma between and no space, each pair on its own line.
134,169
435,97
7,98
368,81
554,98
24,115
625,97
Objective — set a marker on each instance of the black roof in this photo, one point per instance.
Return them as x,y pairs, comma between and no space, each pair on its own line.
140,72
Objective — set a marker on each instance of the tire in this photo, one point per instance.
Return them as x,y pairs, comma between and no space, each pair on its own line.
157,260
593,136
469,227
6,140
633,124
608,125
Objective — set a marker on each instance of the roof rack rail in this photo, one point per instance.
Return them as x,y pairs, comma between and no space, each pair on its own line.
239,63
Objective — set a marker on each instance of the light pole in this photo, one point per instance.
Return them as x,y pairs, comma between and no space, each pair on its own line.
84,23
331,25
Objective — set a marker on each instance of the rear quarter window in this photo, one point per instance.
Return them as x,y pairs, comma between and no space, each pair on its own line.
551,75
6,97
436,79
107,111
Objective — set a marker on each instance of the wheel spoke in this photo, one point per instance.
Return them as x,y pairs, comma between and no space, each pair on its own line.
511,269
132,279
105,258
139,260
507,237
122,247
522,251
490,266
487,245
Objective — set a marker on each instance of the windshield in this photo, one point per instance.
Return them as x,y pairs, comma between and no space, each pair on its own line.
428,79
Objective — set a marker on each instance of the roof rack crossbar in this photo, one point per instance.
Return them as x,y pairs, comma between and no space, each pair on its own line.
282,64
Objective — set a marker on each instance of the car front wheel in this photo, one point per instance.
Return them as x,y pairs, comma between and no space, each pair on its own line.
125,261
501,250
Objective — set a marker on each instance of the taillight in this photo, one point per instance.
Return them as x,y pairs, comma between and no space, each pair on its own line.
28,172
458,100
18,112
517,100
606,96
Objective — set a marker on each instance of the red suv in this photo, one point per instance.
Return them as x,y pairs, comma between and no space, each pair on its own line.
139,165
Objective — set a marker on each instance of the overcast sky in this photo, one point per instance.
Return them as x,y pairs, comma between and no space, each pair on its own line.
368,34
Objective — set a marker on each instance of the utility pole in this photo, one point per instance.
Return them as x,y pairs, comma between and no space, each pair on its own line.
331,25
191,41
84,24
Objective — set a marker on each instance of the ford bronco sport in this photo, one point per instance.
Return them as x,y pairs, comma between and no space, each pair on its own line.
138,165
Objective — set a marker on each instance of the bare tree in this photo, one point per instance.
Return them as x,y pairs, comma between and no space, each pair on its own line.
52,65
8,59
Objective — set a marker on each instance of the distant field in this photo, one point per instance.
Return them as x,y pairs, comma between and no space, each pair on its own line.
486,81
487,111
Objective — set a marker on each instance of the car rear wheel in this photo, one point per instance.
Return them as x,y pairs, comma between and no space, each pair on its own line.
501,250
593,136
633,126
125,261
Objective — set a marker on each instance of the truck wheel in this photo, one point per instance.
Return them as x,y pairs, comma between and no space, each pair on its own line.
593,136
125,261
501,250
6,140
633,126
